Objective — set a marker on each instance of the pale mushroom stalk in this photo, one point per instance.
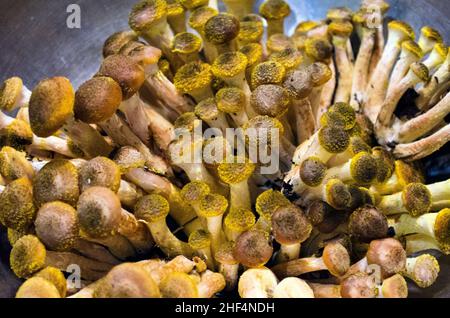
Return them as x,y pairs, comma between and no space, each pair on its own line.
378,84
212,207
423,147
416,243
176,16
228,266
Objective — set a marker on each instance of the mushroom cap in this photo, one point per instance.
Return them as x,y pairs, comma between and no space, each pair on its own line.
97,100
333,139
240,220
417,199
186,43
408,173
339,14
195,191
320,73
337,194
403,28
389,254
421,71
207,110
10,92
431,34
252,249
386,164
347,113
99,212
395,287
222,28
128,158
293,287
441,230
237,171
193,76
411,47
425,270
146,14
116,41
199,239
336,259
27,256
152,208
363,168
17,134
251,31
274,9
268,72
57,226
224,254
175,9
141,53
125,71
318,211
56,181
263,125
17,210
200,16
270,100
269,201
127,281
305,26
51,105
289,57
359,285
290,225
100,172
37,287
299,84
261,281
278,42
178,285
14,235
14,165
229,64
342,29
313,171
253,52
367,224
320,49
192,4
56,277
212,205
230,100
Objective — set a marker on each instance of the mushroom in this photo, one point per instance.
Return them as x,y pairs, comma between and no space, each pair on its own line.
335,259
255,54
56,277
269,72
293,287
200,241
429,37
367,224
239,8
376,90
238,221
275,12
233,102
321,74
222,30
228,265
198,19
208,111
14,94
51,108
290,228
278,42
187,46
29,256
423,270
432,225
193,193
195,79
257,283
14,165
253,249
153,209
251,30
176,16
38,287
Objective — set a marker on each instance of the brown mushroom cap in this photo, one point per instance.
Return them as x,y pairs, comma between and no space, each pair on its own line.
359,285
299,83
128,158
125,71
336,258
290,226
127,281
17,210
57,181
51,105
57,226
146,14
252,249
388,254
222,28
100,172
97,99
270,100
116,41
99,212
367,224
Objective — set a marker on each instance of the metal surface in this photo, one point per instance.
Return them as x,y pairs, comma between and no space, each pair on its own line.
35,43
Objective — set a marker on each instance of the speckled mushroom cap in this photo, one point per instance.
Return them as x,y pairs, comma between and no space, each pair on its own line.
116,41
193,4
57,226
290,225
146,14
336,258
179,285
100,172
97,99
359,285
236,171
14,164
269,72
253,249
320,73
127,281
17,210
333,139
186,43
142,53
441,230
37,287
125,71
51,105
193,76
229,64
56,181
27,256
128,158
56,277
299,84
222,28
313,171
99,212
388,254
274,9
253,52
10,92
319,49
270,100
200,16
152,208
269,201
17,134
367,224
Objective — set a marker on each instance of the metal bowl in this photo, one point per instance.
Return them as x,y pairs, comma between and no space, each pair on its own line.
36,43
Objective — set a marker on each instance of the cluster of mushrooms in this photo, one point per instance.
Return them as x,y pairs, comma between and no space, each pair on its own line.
92,182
